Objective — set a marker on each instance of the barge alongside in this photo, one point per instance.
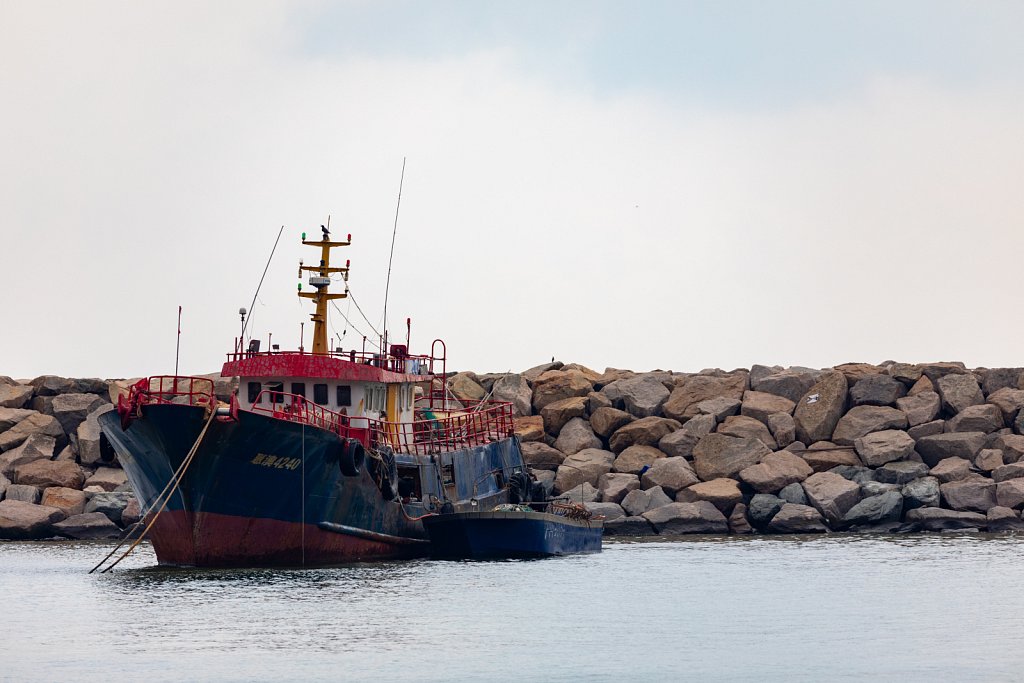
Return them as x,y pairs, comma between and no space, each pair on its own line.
320,458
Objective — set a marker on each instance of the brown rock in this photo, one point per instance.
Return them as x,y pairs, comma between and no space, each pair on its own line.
1012,471
721,407
529,428
605,421
642,396
978,418
682,403
557,385
513,388
132,513
959,445
1012,446
989,459
557,413
951,469
759,405
995,379
920,408
719,456
46,473
936,519
863,420
1009,402
107,478
920,386
596,401
688,518
959,392
877,390
797,519
71,409
679,443
87,526
633,459
783,428
819,410
534,373
831,495
722,493
614,486
935,371
878,448
36,423
20,520
541,456
790,384
575,436
1010,493
855,372
747,427
670,474
824,455
15,396
585,466
738,523
1003,519
35,447
464,387
927,429
69,501
905,372
775,471
647,431
969,494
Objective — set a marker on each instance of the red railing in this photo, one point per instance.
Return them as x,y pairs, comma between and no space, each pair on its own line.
393,362
176,389
436,431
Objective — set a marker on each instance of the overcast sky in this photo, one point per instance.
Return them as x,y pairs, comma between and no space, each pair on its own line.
643,185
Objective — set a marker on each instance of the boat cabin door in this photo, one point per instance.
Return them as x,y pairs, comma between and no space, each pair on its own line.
393,415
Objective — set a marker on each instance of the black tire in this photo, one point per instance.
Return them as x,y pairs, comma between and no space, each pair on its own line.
351,457
519,488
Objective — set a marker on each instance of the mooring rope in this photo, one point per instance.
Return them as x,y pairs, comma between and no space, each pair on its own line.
175,481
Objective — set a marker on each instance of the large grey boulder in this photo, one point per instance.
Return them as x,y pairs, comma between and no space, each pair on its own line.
688,518
721,407
776,471
642,396
584,493
763,506
937,519
639,501
886,507
964,445
936,371
679,443
614,486
1001,519
995,379
1011,471
671,474
718,455
878,448
790,384
647,431
877,390
540,456
107,478
23,492
794,493
463,386
900,472
52,385
19,520
72,409
514,389
832,495
760,405
597,400
818,411
984,418
605,421
920,408
863,420
586,466
976,495
797,519
923,492
35,447
89,525
747,427
575,436
629,526
700,425
87,438
534,373
959,392
37,423
608,511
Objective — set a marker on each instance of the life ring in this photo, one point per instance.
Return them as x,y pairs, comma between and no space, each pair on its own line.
351,457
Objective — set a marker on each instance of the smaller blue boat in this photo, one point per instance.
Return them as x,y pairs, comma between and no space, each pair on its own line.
515,531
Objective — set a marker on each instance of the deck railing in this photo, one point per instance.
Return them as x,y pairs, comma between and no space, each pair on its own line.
433,432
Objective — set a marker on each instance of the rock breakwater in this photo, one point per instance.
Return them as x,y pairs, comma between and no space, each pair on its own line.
856,447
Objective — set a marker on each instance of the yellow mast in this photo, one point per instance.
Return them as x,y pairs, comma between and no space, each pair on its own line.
322,282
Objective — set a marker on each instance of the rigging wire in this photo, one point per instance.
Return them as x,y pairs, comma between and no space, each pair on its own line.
257,293
394,232
360,309
350,323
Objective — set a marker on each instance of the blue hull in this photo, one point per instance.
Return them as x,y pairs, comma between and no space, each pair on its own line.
510,534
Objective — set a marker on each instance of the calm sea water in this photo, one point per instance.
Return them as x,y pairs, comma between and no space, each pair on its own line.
940,607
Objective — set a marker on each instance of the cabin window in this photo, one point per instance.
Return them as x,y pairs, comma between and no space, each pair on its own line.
299,389
276,390
320,394
344,395
254,392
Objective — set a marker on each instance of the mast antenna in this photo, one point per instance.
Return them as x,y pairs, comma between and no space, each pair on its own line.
253,304
387,286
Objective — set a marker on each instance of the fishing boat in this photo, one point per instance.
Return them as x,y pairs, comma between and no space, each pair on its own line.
320,457
515,531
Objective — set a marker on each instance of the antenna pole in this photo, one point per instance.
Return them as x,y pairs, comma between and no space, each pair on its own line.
177,346
253,304
387,285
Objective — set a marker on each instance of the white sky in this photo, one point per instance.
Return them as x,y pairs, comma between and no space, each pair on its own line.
857,199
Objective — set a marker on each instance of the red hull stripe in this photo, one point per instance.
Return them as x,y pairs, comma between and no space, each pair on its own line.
308,365
208,539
